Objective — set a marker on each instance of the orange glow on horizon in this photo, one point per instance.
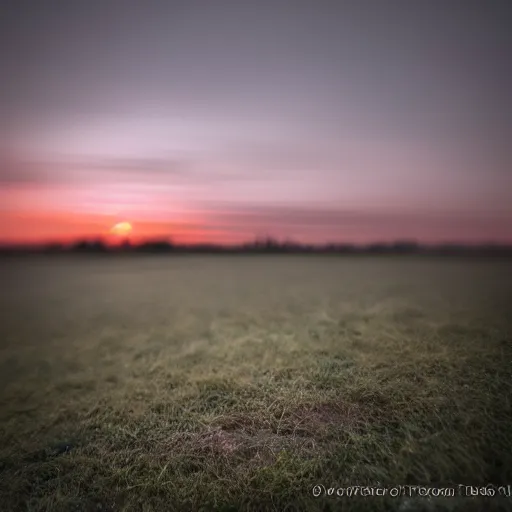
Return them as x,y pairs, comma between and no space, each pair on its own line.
38,225
44,227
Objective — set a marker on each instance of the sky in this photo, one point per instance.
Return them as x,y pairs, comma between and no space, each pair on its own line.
221,121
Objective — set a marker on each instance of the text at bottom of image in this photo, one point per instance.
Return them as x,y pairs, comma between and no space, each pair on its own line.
410,491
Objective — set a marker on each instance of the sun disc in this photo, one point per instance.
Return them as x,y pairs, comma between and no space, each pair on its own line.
121,229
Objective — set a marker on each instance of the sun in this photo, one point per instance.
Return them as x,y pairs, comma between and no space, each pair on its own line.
121,229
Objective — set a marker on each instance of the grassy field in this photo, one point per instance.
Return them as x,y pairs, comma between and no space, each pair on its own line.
241,382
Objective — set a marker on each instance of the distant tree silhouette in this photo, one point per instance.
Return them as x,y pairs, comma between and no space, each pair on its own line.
155,246
126,245
405,246
376,248
89,246
53,248
262,245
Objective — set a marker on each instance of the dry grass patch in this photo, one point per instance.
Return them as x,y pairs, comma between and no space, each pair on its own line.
230,384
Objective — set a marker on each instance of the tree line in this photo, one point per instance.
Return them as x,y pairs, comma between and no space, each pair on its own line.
266,245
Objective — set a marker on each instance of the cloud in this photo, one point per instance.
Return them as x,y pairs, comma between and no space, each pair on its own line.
339,224
155,171
189,170
56,171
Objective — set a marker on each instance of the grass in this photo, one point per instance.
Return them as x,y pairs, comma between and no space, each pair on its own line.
238,383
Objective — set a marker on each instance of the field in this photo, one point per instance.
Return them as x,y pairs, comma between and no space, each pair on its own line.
176,383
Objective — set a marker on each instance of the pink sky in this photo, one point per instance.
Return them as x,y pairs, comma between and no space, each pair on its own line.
232,124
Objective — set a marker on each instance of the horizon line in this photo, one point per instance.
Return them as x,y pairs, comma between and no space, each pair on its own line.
256,242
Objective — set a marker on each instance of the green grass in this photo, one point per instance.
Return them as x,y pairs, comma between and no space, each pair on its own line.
238,383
